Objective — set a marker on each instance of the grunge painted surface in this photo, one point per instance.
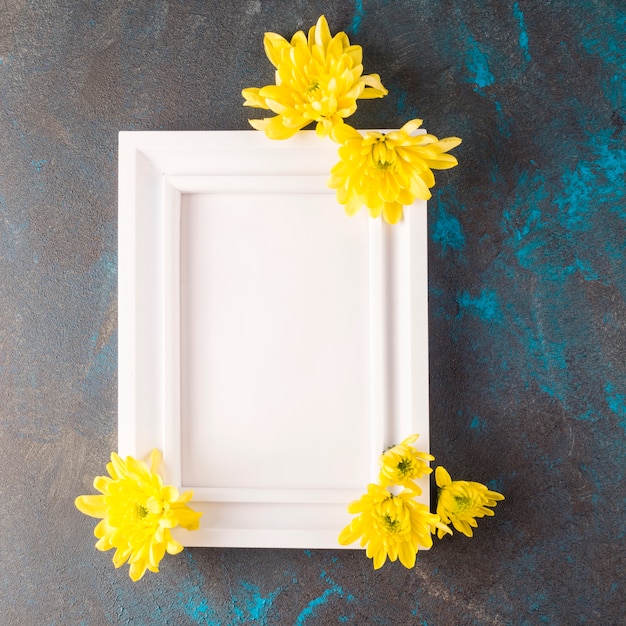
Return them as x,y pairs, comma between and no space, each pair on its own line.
527,296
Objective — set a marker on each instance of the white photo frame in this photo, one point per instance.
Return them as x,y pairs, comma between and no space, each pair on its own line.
271,346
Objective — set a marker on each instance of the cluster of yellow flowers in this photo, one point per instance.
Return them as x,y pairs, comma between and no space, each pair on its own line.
319,78
394,525
137,512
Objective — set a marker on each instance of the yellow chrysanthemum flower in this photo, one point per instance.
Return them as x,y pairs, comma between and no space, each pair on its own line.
391,525
137,514
385,172
460,502
318,79
402,464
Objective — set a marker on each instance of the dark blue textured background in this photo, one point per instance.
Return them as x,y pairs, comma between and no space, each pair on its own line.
527,300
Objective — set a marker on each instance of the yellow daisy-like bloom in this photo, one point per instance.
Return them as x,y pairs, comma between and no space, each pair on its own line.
391,525
385,172
137,514
460,502
318,79
403,464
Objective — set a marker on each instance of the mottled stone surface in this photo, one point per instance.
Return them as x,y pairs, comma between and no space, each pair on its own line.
527,300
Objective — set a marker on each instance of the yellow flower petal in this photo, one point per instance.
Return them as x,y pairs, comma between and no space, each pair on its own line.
137,570
379,557
319,78
101,483
169,493
137,512
411,126
460,502
157,552
298,40
188,518
259,124
155,460
442,476
447,144
402,464
374,88
274,127
407,555
387,172
392,212
389,525
274,45
94,506
348,536
172,546
252,98
321,32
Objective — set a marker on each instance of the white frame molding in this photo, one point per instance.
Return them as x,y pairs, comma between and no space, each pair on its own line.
157,170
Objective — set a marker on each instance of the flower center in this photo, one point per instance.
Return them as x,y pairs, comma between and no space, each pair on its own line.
314,86
462,503
405,466
142,511
392,525
383,155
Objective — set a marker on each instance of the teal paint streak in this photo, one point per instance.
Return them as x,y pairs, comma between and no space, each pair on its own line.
448,231
477,65
38,165
191,598
503,126
576,199
544,346
406,108
617,403
523,34
524,217
588,416
355,24
495,484
548,242
251,605
484,306
608,163
584,269
478,424
311,608
607,42
334,590
199,611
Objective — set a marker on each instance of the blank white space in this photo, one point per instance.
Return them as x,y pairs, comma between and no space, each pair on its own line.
274,342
